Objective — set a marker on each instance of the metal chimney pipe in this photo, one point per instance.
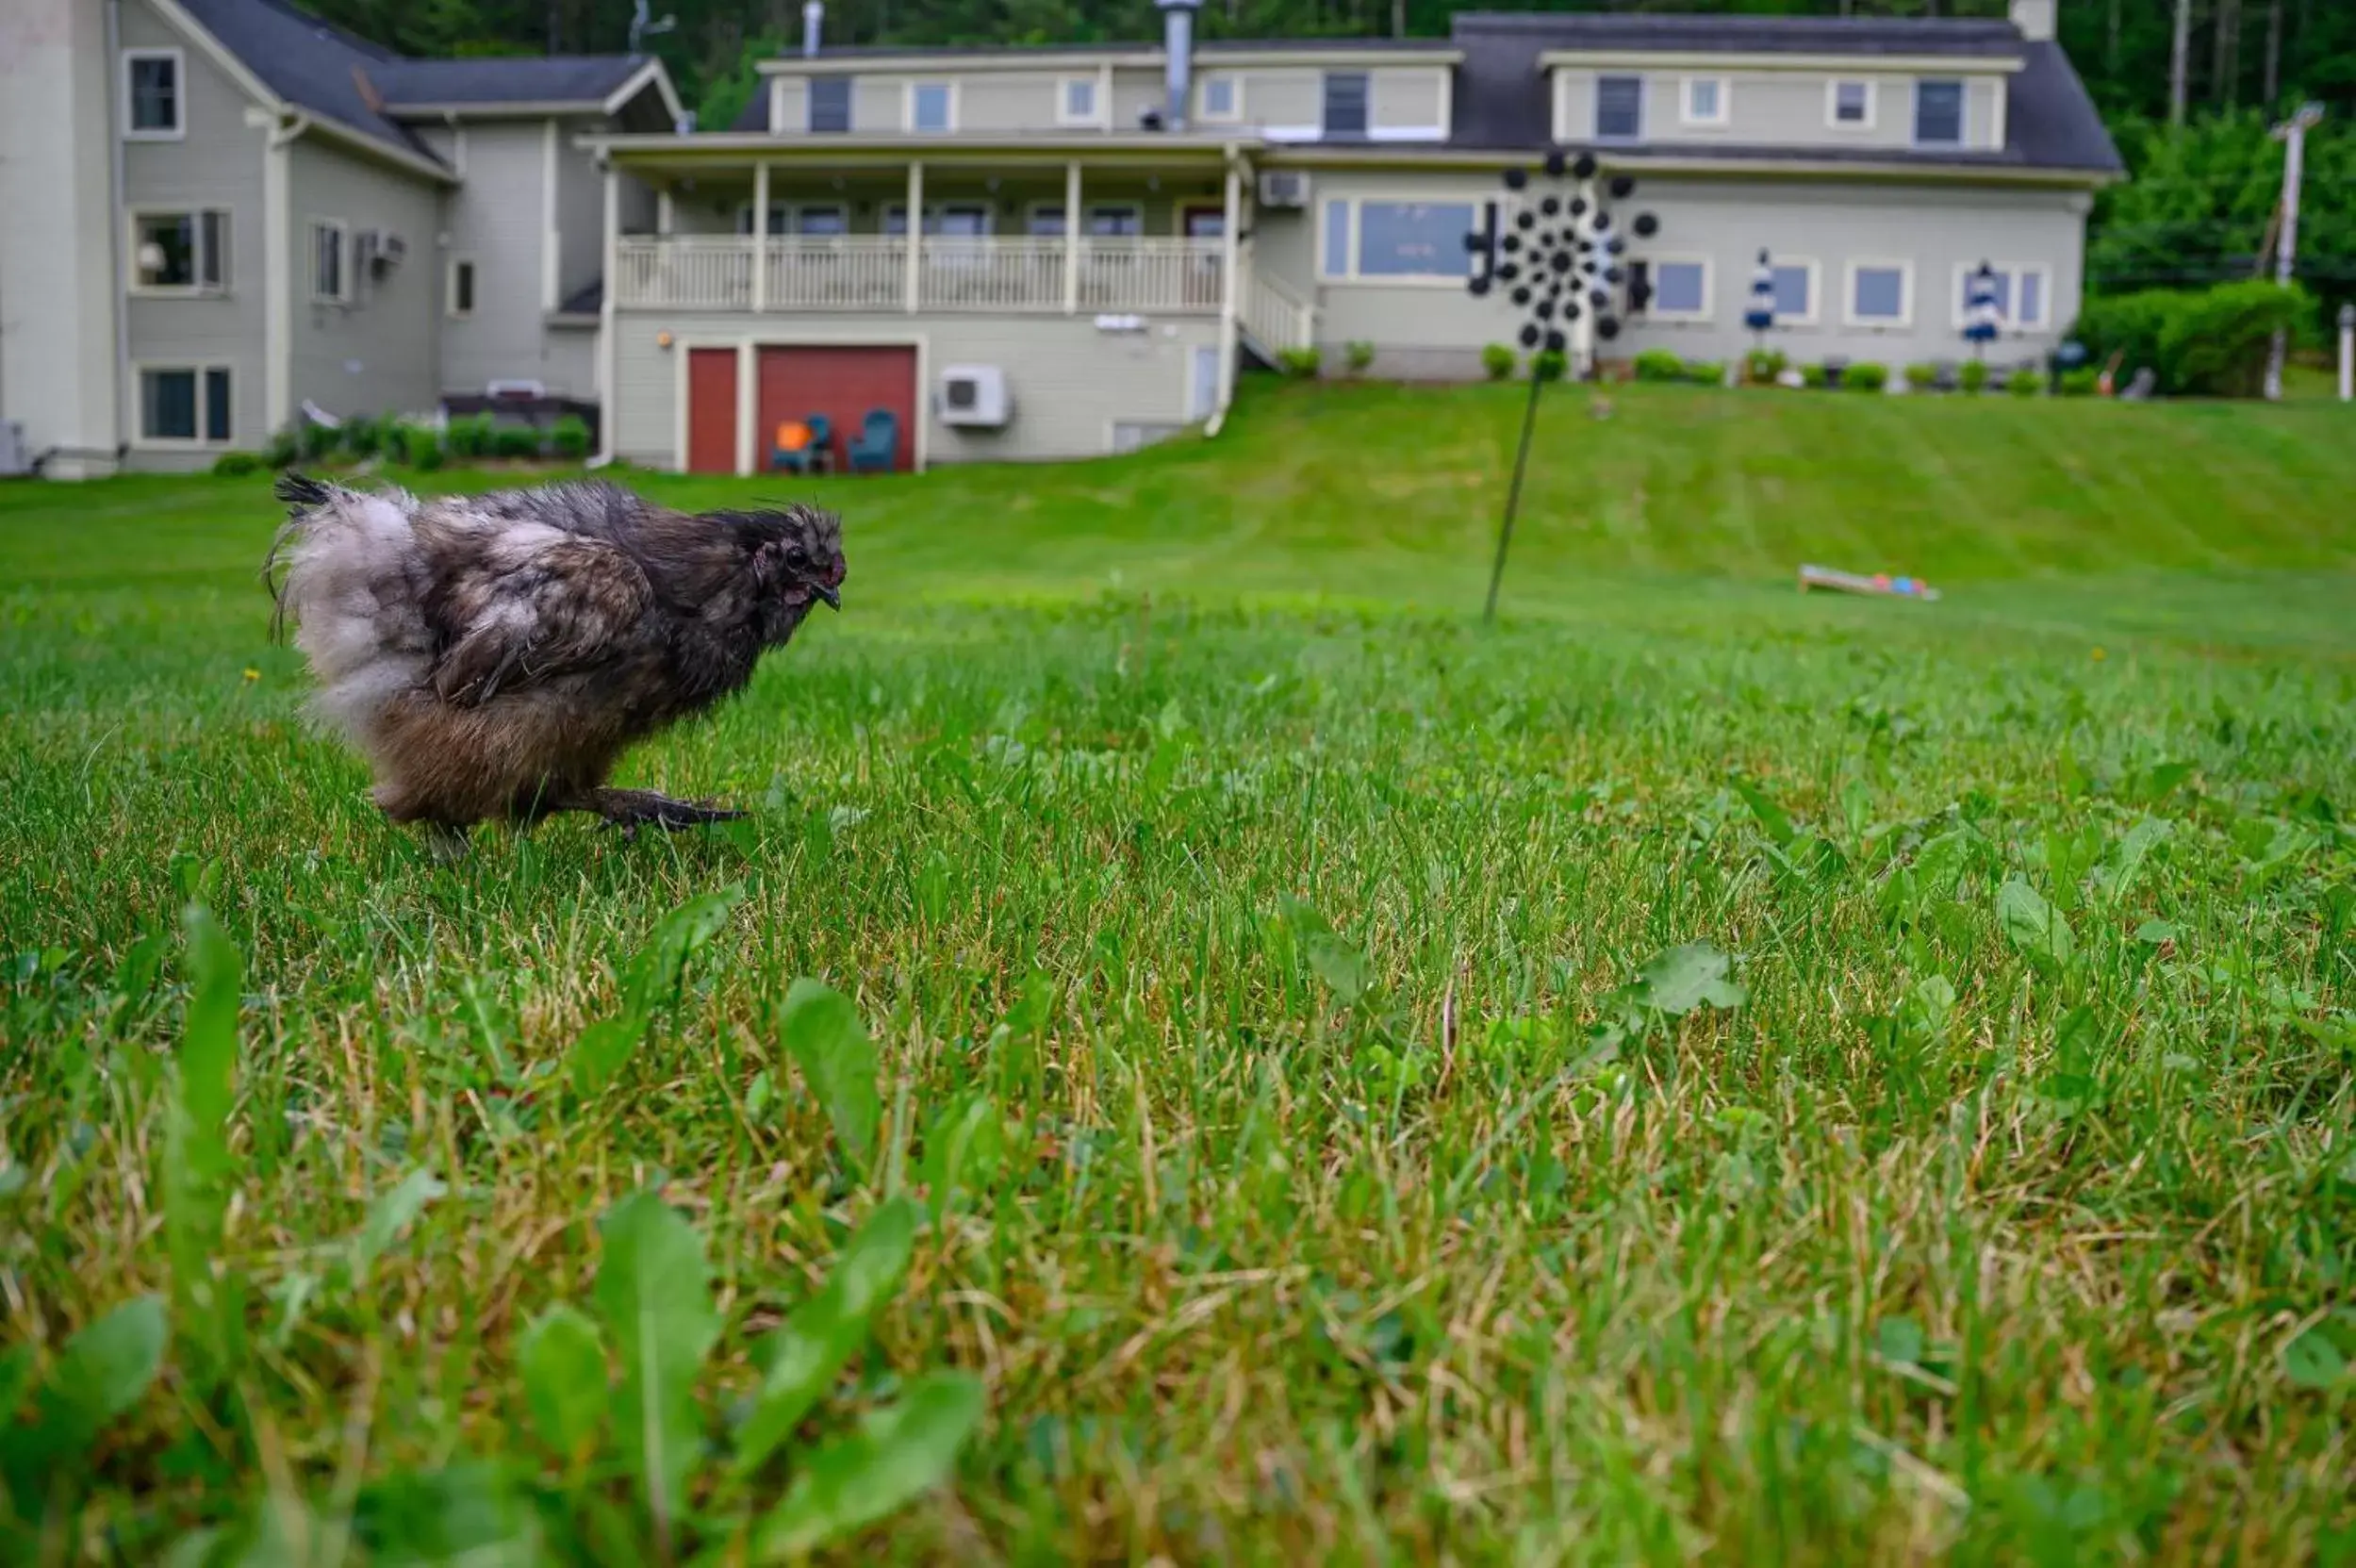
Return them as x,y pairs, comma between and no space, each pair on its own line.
1178,47
812,25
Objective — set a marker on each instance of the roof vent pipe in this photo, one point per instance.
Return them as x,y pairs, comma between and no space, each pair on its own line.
813,26
1178,47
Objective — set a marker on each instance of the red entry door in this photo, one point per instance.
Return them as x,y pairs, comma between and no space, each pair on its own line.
711,410
844,383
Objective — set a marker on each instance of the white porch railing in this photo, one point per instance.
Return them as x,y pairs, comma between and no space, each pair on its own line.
1274,317
870,272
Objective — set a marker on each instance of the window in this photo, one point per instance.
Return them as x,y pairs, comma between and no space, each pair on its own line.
1880,294
185,404
1619,108
1705,101
1345,103
830,104
956,219
1938,115
180,253
1380,240
781,219
1850,104
1076,103
823,221
1116,219
461,288
1044,220
1795,291
1681,290
2020,295
1221,99
151,95
330,278
931,107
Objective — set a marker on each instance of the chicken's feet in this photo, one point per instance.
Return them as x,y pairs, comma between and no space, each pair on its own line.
632,809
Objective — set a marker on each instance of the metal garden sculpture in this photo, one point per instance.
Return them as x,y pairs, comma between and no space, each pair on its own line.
1556,249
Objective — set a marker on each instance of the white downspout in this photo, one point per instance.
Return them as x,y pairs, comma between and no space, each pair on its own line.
278,276
120,280
1230,276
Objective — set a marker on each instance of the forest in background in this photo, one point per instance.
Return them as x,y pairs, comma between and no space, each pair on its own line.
2200,209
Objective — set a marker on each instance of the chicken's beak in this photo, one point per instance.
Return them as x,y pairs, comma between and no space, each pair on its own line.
832,596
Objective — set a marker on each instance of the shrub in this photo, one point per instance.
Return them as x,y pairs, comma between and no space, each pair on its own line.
2024,382
421,447
1549,364
1706,372
1301,363
1359,354
570,437
517,442
1815,377
2211,342
282,449
363,438
471,435
1659,365
2084,382
1922,376
1497,361
1865,377
1974,377
315,440
231,465
1763,366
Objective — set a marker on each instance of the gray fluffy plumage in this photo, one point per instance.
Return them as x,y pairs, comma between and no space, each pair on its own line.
494,656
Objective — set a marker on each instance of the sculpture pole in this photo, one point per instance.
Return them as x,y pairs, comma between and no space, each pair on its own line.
1513,496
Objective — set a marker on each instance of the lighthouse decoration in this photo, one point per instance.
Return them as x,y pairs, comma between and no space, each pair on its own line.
1557,250
1760,316
1981,316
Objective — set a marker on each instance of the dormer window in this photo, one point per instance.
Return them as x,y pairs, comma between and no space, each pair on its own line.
1938,113
1618,108
830,104
1076,102
1705,101
1849,104
1219,98
931,108
1345,103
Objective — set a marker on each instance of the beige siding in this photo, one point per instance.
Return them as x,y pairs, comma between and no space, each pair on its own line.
377,351
1071,383
879,104
1285,100
790,107
1409,98
217,163
1783,108
1006,101
1437,329
1134,92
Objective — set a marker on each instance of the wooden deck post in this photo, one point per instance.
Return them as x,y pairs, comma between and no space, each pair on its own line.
915,229
1230,219
761,235
1071,237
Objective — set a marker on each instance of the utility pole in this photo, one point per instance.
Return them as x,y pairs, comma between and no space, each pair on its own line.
2292,133
2180,62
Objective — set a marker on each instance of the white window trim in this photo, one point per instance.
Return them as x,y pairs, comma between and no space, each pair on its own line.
802,210
1904,321
1595,109
1030,217
1725,103
1324,90
180,96
197,291
1653,310
342,232
1089,209
1234,116
1963,111
141,441
907,104
1815,290
1832,104
450,288
988,209
1094,118
2009,320
1353,227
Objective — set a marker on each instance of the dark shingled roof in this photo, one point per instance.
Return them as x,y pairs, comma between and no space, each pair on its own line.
1688,33
495,80
318,67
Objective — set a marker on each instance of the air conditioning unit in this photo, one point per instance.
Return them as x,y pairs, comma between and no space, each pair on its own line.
391,250
975,397
1284,188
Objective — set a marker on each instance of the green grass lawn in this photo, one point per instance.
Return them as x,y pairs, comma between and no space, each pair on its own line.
1287,1074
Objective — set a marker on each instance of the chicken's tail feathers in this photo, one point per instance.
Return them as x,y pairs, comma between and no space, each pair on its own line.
300,491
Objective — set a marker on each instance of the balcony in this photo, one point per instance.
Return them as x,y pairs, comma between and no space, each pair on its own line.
881,273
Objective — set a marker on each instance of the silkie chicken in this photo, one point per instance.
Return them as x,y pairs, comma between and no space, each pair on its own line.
494,656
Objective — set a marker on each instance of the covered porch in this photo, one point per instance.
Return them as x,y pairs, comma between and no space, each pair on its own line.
1032,237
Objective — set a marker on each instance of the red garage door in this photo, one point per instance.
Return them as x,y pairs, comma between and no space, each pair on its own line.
844,384
712,411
